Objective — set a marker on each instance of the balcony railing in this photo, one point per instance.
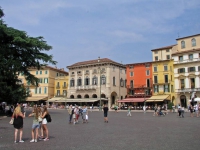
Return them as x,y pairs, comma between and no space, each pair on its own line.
86,87
58,86
162,82
64,86
138,87
58,95
186,61
189,90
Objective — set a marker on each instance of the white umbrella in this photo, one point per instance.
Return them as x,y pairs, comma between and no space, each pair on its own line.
197,99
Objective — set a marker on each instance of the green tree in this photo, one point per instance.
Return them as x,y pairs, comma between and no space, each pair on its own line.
18,53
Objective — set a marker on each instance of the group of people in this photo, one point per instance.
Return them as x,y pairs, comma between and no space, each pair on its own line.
39,126
194,109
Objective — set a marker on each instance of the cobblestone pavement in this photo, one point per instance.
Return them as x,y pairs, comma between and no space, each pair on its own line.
141,131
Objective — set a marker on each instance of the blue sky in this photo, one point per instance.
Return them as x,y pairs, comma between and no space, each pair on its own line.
123,30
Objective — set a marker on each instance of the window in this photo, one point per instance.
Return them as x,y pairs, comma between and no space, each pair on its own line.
120,70
156,52
58,85
40,80
180,58
156,89
131,67
45,80
155,68
64,92
103,79
79,82
87,72
45,90
191,69
192,83
36,72
131,84
131,74
165,68
121,82
166,78
168,57
172,88
182,81
64,85
166,88
125,82
156,58
147,72
181,70
114,81
193,42
40,71
94,80
58,92
72,73
57,74
46,72
191,57
155,79
182,44
87,81
72,82
35,90
40,90
167,50
95,71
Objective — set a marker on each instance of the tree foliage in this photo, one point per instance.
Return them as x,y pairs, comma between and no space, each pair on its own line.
18,53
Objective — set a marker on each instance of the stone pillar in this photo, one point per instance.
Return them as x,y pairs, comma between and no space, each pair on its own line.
108,76
187,82
197,82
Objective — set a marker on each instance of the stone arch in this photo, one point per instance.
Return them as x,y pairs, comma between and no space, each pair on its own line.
94,96
86,96
113,97
103,96
71,96
79,96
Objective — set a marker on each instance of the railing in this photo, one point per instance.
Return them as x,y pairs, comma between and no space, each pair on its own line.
162,82
138,87
189,90
186,61
64,86
58,95
58,86
86,87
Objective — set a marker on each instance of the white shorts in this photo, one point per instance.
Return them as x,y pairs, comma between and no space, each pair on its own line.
44,121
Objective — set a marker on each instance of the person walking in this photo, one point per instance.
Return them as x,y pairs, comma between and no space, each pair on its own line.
70,114
105,110
84,112
144,109
18,123
35,125
155,110
179,110
182,112
129,111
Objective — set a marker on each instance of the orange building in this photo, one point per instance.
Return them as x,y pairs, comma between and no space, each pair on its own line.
139,83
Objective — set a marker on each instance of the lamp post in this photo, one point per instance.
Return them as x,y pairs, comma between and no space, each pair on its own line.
100,84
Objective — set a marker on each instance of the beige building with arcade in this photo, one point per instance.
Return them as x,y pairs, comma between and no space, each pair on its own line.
90,79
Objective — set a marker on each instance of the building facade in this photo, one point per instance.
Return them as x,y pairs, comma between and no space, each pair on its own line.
187,68
90,79
45,89
139,83
162,75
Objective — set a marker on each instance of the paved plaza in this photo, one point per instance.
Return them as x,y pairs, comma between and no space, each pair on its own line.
141,131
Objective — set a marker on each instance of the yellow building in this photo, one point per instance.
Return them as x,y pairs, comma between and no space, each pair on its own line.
46,87
162,75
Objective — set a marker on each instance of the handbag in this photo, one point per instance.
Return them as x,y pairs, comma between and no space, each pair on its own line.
11,121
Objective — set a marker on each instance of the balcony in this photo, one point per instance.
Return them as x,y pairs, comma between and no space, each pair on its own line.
58,86
86,87
186,61
72,75
138,87
64,86
162,82
58,95
188,90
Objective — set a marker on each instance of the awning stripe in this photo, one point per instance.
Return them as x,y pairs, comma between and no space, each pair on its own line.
158,98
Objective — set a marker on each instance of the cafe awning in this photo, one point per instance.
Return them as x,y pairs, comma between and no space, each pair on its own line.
132,100
79,100
158,98
54,99
36,98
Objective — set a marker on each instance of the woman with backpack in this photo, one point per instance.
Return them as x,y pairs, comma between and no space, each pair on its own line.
44,116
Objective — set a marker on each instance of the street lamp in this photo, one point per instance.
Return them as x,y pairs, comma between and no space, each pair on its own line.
100,71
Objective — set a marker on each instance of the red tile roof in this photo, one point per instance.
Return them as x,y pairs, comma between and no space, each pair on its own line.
188,36
164,47
102,60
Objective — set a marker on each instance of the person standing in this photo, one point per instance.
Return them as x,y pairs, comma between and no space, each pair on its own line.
105,110
35,126
155,110
129,111
191,111
182,112
197,110
18,123
44,123
179,110
84,113
144,109
70,114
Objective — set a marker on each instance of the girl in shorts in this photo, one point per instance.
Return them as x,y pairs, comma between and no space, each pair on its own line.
44,123
35,125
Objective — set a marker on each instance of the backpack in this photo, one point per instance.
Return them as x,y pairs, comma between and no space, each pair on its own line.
48,117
